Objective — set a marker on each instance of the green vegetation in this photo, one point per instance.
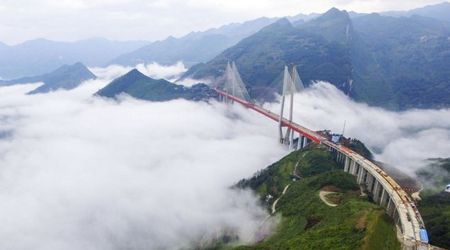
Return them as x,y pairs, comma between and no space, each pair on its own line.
396,63
435,211
435,204
307,222
274,178
140,86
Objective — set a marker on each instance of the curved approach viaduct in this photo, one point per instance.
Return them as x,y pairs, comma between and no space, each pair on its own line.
384,190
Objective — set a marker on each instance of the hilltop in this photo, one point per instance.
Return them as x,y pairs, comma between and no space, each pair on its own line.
140,86
65,77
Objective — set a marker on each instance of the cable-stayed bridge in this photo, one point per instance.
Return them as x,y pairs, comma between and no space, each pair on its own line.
384,190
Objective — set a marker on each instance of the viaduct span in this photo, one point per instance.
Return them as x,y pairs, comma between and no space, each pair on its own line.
384,190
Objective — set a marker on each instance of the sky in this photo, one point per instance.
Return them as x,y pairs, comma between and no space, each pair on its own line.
81,172
69,20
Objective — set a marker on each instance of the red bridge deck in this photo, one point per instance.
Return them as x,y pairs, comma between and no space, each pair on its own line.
313,136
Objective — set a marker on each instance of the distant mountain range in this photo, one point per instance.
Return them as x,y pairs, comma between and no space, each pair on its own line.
65,77
195,47
140,86
39,56
393,62
439,11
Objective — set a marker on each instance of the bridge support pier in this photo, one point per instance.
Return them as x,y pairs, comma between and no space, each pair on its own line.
376,191
361,175
383,200
390,208
370,183
353,167
347,164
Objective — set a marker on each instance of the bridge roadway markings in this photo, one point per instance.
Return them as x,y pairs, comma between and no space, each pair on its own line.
409,216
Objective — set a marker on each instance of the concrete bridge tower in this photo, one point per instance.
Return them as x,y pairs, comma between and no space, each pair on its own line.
291,85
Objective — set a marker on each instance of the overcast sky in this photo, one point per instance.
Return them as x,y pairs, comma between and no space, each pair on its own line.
155,19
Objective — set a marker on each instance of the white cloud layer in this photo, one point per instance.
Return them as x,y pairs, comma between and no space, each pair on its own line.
155,19
80,172
402,139
154,70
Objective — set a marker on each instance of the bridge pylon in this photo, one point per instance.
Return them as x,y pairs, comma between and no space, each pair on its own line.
291,85
233,84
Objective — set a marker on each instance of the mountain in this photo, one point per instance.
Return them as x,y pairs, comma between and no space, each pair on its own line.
392,62
195,47
262,56
406,55
140,86
39,56
65,77
438,11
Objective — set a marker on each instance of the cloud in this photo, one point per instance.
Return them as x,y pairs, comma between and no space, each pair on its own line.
83,172
168,72
190,81
402,139
154,70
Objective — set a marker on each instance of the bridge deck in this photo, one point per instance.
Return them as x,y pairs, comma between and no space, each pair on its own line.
410,219
313,136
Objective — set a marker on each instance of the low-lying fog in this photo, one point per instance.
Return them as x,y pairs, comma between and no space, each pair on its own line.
82,172
401,139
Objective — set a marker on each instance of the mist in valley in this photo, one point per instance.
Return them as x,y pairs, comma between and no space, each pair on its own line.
79,171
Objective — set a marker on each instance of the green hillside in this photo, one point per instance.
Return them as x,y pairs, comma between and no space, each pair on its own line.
140,86
307,222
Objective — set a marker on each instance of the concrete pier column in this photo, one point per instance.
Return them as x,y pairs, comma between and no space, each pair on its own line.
360,175
368,177
364,179
376,189
390,207
371,185
354,167
384,195
347,164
